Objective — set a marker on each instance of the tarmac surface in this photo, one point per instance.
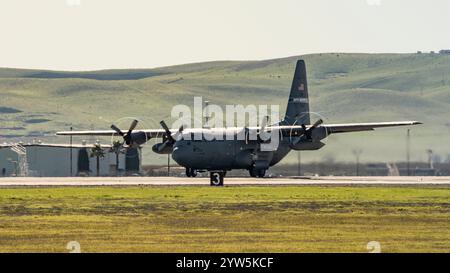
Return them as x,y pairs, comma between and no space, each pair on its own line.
6,182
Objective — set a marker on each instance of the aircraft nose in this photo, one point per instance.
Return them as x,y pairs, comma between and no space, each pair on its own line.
180,155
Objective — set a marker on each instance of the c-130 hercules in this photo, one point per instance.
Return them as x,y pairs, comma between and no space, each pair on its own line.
295,133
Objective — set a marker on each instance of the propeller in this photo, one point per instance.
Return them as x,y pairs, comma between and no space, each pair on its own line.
170,138
127,137
168,133
307,132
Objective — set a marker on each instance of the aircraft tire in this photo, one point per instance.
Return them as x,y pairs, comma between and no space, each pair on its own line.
261,172
188,172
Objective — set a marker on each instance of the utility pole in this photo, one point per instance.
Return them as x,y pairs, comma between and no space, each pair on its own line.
357,153
408,147
71,170
168,164
430,159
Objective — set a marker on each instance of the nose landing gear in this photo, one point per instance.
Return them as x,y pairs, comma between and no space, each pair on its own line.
191,172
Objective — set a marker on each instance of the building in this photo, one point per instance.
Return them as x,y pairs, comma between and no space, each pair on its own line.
54,160
444,51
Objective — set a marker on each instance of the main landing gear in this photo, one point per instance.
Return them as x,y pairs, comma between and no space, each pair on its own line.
257,172
191,172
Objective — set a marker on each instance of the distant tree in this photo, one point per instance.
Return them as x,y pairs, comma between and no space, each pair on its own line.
117,148
97,152
83,162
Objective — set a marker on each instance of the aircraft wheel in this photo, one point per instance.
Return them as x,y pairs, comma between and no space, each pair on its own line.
188,172
252,172
193,173
261,173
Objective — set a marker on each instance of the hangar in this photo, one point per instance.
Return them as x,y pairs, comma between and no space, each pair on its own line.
61,160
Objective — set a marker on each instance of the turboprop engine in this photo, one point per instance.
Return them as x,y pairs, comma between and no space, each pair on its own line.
310,139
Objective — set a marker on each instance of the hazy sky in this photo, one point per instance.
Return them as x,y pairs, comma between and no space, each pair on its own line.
98,34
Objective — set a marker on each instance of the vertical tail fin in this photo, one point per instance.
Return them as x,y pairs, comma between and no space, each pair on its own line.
298,104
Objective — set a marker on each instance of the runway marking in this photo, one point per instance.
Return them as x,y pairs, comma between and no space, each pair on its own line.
229,181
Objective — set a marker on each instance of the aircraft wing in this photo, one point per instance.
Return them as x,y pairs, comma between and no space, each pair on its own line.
151,133
331,128
357,127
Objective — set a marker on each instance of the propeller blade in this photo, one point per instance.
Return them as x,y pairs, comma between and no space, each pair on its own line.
308,132
162,146
127,136
180,131
115,128
305,131
164,126
295,141
317,123
168,133
133,126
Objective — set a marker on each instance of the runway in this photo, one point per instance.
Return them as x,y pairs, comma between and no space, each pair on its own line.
6,182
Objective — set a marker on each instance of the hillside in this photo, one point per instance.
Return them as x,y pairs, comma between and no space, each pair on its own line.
343,88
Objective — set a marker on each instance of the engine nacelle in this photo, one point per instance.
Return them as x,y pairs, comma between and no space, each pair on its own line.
138,138
303,143
162,148
307,145
319,133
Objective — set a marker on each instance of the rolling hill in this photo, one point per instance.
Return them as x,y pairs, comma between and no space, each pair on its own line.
343,88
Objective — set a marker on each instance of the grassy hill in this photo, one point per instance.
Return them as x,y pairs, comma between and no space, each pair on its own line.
343,88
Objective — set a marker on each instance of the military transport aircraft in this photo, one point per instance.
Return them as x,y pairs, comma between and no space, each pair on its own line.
295,130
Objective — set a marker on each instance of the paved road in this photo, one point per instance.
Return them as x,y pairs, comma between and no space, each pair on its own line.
231,181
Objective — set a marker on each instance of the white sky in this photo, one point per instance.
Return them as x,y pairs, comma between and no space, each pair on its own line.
99,34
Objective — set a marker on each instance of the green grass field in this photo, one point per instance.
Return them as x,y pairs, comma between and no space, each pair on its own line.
230,219
343,88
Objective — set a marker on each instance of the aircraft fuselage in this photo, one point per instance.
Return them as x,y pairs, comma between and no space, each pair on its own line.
225,154
213,150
